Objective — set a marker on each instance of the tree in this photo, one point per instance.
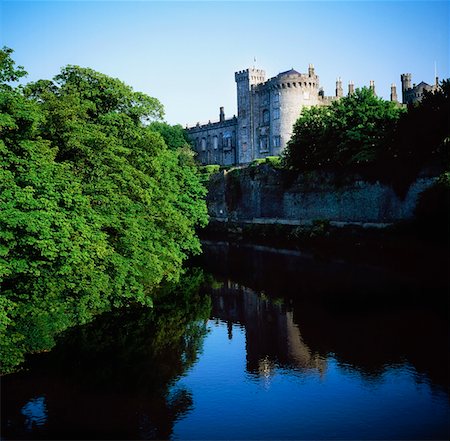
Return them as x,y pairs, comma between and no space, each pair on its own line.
95,210
423,134
174,136
353,131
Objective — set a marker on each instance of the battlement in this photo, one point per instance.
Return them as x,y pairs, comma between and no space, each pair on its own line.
252,75
199,126
267,111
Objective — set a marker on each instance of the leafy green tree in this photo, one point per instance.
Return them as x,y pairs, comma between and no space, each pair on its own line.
95,210
174,136
351,132
51,247
423,135
9,72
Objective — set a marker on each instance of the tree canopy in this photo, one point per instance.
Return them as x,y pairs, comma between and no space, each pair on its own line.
384,140
353,130
95,209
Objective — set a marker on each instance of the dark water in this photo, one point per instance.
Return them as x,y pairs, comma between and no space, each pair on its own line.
282,346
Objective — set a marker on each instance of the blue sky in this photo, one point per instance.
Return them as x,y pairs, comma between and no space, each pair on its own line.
186,53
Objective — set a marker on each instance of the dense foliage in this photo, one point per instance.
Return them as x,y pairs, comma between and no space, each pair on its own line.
364,133
95,210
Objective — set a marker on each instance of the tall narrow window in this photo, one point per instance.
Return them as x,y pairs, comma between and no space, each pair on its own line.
263,144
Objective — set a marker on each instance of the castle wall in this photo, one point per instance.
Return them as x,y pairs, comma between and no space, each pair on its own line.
267,112
271,196
215,143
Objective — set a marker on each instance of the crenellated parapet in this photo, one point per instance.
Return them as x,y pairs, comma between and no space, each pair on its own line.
267,110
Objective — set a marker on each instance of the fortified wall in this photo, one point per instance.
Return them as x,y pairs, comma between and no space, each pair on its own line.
267,110
269,196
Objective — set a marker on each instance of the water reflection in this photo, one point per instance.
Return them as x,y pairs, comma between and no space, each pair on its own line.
272,337
280,346
35,412
113,378
369,317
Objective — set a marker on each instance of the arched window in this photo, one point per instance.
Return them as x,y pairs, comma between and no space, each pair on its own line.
215,142
203,144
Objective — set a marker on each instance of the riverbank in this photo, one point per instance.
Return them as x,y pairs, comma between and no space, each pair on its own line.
408,247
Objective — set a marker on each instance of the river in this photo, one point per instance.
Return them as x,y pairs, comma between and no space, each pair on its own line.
277,344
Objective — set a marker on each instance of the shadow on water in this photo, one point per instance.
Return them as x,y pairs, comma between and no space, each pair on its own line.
113,378
367,316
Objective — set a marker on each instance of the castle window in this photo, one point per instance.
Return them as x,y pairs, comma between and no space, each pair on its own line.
276,99
203,145
227,141
265,117
277,141
289,84
276,113
263,144
215,142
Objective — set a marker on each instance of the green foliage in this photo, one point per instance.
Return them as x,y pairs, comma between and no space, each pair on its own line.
354,130
318,228
8,71
274,161
258,161
423,134
174,136
210,169
95,210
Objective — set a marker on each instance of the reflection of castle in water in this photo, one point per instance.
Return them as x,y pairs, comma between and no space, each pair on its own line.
272,338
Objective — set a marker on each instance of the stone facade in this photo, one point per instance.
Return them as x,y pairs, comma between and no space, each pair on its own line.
267,111
267,195
413,94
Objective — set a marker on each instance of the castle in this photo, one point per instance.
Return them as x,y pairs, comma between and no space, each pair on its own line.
267,111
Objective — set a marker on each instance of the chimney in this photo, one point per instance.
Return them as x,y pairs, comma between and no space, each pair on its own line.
351,88
221,115
394,93
339,91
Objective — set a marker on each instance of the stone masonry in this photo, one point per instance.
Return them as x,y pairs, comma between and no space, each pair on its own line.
267,111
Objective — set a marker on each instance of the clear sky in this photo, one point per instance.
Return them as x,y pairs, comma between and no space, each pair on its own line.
185,53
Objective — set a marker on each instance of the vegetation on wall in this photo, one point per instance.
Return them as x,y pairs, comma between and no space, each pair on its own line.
95,209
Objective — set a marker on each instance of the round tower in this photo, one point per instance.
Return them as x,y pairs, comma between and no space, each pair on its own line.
292,91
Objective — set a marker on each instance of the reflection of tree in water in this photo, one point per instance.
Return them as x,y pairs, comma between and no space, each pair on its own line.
115,378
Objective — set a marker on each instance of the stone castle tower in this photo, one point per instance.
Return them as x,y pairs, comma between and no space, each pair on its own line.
246,80
267,111
414,93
